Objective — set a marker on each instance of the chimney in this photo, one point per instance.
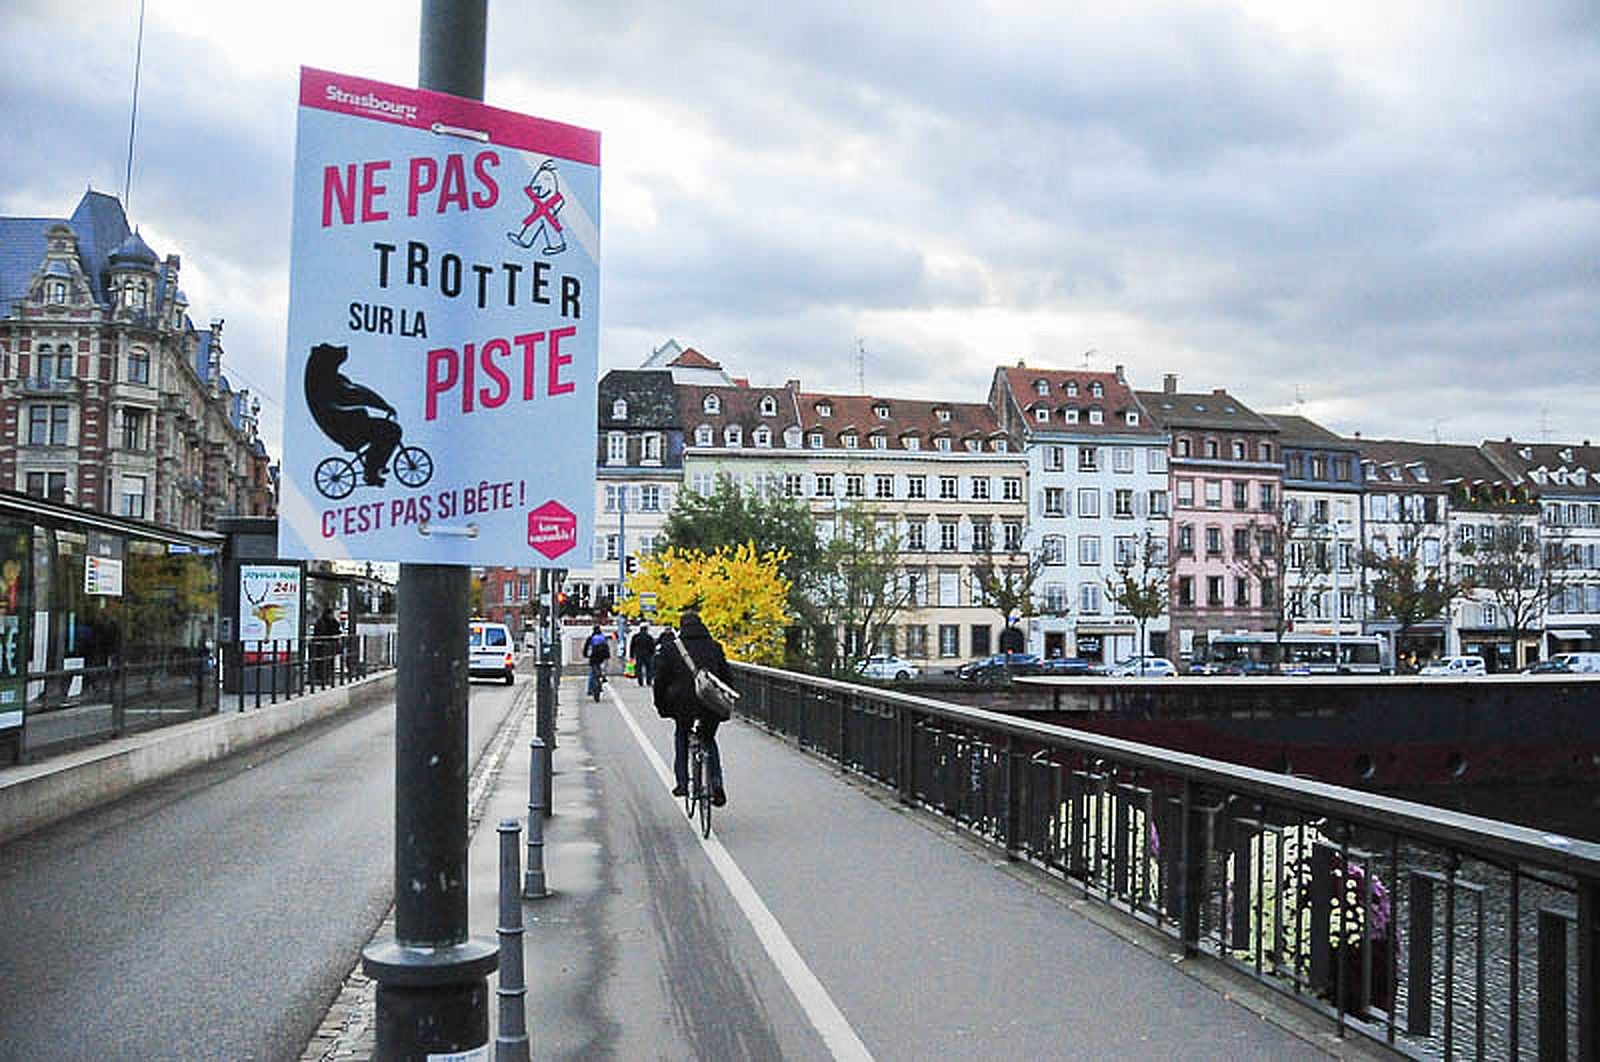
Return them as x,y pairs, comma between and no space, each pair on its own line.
792,385
1218,391
1120,377
1169,383
1021,364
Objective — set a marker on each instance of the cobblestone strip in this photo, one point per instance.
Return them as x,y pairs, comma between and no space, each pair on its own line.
348,1028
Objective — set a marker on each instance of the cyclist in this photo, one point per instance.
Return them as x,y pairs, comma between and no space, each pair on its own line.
339,406
597,651
674,697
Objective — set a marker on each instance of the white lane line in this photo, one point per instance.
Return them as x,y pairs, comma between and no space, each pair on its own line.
825,1017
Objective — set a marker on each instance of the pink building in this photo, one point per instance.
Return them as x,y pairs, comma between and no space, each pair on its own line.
1226,479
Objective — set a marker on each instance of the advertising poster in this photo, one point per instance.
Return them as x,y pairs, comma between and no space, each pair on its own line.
15,562
443,334
102,575
269,604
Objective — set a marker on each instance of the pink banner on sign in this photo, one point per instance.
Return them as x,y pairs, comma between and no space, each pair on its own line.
422,109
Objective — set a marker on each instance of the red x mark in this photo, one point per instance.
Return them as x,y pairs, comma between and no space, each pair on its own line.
543,208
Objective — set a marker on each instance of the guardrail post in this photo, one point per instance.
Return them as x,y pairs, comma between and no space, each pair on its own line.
1589,969
1011,818
1192,872
511,1039
533,887
545,721
119,696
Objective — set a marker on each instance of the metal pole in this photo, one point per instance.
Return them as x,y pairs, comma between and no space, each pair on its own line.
511,1041
1338,613
432,979
538,807
545,723
622,571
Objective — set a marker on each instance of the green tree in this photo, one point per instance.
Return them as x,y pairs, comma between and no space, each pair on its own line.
1138,585
1407,587
1007,584
729,516
860,588
1516,575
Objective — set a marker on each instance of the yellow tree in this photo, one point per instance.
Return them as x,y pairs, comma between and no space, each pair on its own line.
740,592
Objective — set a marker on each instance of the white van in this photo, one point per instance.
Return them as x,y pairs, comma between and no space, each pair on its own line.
1581,663
1459,666
490,651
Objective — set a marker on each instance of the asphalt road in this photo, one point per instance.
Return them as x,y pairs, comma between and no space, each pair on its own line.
213,915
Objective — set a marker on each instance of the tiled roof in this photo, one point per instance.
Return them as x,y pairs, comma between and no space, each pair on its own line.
1216,410
693,359
652,403
1295,430
1555,468
101,228
897,419
1425,467
1070,389
736,405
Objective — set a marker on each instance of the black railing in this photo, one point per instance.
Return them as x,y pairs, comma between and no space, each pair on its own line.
266,672
1437,933
71,707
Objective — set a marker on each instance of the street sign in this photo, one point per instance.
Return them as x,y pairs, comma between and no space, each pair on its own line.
443,337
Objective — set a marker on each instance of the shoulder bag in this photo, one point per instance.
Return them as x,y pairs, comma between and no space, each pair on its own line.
714,695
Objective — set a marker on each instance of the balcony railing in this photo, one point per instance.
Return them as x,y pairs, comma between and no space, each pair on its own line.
1437,933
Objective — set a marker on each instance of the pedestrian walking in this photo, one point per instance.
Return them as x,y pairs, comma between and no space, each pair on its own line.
642,650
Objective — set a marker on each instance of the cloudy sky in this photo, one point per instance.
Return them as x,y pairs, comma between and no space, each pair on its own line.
1384,216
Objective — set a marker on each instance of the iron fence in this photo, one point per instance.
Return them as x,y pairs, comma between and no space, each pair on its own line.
1437,933
265,672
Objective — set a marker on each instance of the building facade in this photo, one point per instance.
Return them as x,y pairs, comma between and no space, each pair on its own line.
1226,483
1097,471
1322,521
110,398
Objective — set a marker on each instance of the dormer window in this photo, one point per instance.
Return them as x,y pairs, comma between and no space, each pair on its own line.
1539,476
1526,453
943,415
879,442
732,435
1097,416
1042,415
1000,446
619,409
1071,414
816,440
849,441
1041,387
702,435
1097,390
712,405
762,436
1131,418
973,446
942,443
824,409
881,410
1072,389
1566,453
1369,469
1419,470
911,442
1393,473
56,292
791,438
769,406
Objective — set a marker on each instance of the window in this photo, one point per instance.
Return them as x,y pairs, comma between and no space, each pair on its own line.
1088,459
815,440
1319,467
949,639
1056,598
1241,543
942,443
1131,418
1011,489
701,483
1158,503
943,415
1054,548
947,488
949,588
1269,593
733,435
1186,591
1122,459
52,485
1241,591
702,435
850,441
1269,494
139,367
980,488
854,485
612,548
883,486
1213,541
1238,449
1241,494
793,484
1042,415
135,429
47,425
619,409
879,441
1089,503
711,404
1041,387
1155,460
1265,449
916,487
1013,535
616,448
824,484
762,436
1122,504
911,442
917,641
1053,501
56,292
1185,447
652,448
1097,389
769,406
1186,494
947,536
982,536
1213,494
1267,543
824,409
1124,550
1088,549
1214,590
1071,414
1089,599
917,535
1295,466
1097,415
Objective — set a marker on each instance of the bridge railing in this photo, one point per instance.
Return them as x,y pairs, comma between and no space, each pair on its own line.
1438,933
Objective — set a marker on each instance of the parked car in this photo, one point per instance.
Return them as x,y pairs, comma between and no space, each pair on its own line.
491,652
1070,665
1147,667
1001,667
1459,666
1244,667
888,667
1554,666
1567,664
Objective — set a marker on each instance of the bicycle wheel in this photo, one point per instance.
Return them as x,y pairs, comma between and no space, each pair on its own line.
705,811
335,477
692,792
412,466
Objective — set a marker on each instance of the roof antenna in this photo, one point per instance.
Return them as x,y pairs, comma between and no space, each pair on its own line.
1544,423
1436,422
861,366
133,116
1091,350
1299,398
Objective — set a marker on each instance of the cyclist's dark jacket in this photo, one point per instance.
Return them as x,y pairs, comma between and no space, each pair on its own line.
674,684
338,404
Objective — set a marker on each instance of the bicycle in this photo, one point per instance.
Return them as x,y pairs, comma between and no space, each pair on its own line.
698,795
336,477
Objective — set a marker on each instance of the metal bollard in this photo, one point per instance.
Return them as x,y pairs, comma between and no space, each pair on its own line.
545,724
511,1039
538,808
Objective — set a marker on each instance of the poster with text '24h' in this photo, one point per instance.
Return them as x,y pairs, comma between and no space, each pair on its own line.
443,338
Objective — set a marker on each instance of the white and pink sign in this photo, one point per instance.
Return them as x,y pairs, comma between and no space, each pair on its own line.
443,338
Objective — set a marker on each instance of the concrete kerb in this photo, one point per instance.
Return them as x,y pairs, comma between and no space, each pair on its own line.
35,795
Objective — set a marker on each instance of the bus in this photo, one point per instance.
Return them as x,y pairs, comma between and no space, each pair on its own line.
1359,654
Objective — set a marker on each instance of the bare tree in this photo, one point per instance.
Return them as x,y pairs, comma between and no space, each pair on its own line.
863,587
1139,586
1408,587
1287,563
1007,585
1517,575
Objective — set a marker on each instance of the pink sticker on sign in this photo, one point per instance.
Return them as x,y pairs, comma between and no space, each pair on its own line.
552,529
